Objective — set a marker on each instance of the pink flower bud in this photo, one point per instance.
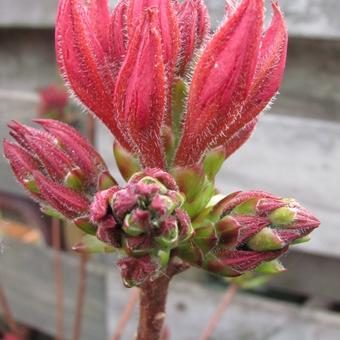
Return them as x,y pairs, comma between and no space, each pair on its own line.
100,204
101,55
108,232
237,75
267,79
75,146
166,22
222,79
135,271
246,229
59,167
235,263
149,175
45,149
119,32
123,202
64,200
23,165
140,91
144,218
194,26
83,56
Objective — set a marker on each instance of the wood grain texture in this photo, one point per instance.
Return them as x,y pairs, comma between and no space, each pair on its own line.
306,18
27,276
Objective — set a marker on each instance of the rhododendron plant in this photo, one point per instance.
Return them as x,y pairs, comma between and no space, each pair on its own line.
178,101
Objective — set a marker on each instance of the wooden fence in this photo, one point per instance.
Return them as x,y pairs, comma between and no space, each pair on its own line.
295,151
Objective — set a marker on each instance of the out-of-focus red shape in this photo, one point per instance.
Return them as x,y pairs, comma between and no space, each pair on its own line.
53,101
10,336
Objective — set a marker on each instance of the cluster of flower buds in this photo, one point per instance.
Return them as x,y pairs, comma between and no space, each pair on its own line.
178,101
144,219
246,229
58,167
166,88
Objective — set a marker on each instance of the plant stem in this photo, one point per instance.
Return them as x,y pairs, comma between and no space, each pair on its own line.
153,295
56,242
126,314
152,308
7,313
80,297
226,301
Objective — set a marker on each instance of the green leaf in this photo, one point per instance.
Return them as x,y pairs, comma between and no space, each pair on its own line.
47,210
90,245
272,267
302,240
212,162
127,164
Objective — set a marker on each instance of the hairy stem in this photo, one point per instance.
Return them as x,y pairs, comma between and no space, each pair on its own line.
153,297
152,309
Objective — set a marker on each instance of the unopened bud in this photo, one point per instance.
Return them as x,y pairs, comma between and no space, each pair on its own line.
282,216
137,222
74,180
105,181
265,240
168,230
85,225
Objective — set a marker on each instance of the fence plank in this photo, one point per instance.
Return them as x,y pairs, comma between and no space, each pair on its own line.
306,18
27,277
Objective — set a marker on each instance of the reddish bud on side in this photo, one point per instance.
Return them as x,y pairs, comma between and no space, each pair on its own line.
64,200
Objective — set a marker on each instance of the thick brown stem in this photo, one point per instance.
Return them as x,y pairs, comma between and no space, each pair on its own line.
152,308
153,301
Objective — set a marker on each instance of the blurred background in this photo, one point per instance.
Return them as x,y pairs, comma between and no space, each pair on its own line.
295,152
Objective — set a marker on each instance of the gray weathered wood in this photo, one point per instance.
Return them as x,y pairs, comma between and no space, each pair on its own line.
309,274
27,59
306,18
27,276
28,13
26,273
